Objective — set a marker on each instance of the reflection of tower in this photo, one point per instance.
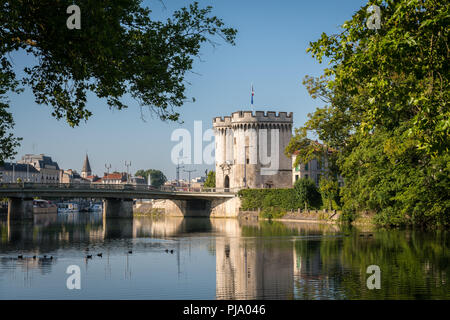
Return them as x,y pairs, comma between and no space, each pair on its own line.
86,171
246,268
250,150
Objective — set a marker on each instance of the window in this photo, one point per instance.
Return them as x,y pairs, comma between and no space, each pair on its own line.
296,177
306,176
306,166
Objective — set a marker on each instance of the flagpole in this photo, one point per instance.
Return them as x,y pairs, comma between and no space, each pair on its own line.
252,94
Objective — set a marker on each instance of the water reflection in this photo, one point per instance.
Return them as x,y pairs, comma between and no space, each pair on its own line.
176,258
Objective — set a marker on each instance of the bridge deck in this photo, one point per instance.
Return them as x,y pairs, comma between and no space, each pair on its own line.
118,191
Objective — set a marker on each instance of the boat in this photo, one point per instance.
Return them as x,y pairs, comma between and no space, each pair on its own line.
96,207
44,206
67,207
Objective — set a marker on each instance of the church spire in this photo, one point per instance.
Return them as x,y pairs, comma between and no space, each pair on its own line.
86,171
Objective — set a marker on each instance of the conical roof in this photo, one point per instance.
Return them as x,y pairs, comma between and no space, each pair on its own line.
86,165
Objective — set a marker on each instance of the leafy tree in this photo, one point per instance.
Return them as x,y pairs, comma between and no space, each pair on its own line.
118,51
210,180
307,193
157,178
386,112
8,143
329,188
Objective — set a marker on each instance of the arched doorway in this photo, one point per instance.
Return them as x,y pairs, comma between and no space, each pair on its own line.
226,183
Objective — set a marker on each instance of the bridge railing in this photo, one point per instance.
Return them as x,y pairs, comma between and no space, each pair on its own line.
104,186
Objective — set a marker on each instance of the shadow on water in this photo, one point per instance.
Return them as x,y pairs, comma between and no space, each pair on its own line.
222,258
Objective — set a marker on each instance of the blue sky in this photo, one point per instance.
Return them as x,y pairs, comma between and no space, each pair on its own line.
270,52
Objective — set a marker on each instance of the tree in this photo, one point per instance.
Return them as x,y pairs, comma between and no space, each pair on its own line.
210,180
307,193
157,178
386,111
329,188
8,143
118,51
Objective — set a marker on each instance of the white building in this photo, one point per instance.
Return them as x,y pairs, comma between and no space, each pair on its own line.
49,169
313,169
14,172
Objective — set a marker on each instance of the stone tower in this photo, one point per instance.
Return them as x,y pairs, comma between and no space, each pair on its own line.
86,171
250,150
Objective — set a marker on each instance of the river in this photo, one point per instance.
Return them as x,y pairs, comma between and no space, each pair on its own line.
216,259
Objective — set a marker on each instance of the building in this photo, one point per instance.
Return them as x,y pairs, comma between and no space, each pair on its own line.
250,150
314,169
49,169
14,172
138,180
114,178
86,171
71,176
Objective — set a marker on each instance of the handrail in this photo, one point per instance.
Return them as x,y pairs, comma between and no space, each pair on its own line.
104,186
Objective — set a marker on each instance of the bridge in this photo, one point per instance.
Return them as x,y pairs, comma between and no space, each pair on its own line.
117,198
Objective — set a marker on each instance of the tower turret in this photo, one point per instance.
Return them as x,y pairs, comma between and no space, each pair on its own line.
250,150
86,171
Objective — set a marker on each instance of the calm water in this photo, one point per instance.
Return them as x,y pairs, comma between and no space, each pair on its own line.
217,259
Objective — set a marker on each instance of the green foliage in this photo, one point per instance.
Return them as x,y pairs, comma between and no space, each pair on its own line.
210,180
307,194
386,112
8,143
274,201
119,50
329,188
157,178
272,213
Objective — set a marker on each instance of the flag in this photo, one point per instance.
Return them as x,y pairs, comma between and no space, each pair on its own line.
253,93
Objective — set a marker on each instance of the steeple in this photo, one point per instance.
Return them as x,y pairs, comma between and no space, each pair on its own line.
86,171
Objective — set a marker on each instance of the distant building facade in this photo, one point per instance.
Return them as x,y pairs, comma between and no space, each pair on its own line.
250,150
71,176
14,172
314,169
114,178
49,169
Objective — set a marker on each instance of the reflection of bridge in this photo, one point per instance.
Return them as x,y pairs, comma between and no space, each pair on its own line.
118,199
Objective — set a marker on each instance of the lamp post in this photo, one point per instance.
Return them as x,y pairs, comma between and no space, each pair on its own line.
128,167
107,166
189,174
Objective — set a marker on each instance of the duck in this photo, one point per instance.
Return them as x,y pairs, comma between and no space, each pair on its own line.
171,251
34,257
20,257
51,257
100,254
130,251
89,256
45,257
167,250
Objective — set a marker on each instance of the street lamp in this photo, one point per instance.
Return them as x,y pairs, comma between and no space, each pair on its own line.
128,167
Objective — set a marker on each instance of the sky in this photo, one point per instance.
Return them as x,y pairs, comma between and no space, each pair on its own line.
270,52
